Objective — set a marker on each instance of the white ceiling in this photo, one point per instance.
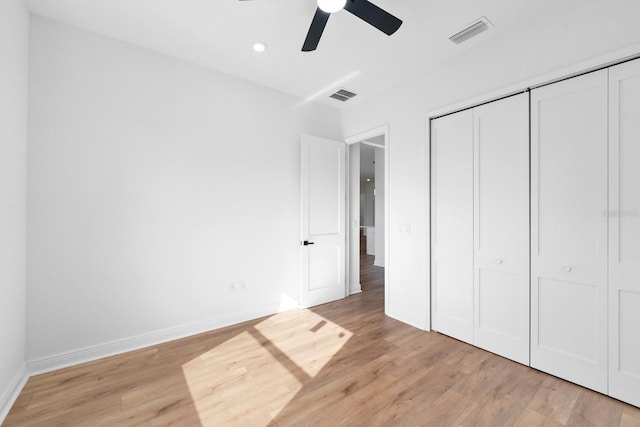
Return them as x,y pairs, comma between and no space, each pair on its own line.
219,34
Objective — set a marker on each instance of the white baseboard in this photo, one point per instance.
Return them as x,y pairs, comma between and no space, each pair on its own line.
402,317
355,289
100,351
10,394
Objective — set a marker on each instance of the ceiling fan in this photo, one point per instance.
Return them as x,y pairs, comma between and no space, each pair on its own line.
363,9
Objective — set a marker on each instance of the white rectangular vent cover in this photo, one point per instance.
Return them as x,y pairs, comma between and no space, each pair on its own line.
342,95
479,26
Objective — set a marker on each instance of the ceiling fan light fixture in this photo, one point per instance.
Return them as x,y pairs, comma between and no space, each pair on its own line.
331,6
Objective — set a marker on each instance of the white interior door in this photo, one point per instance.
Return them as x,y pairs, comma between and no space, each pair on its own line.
501,227
624,232
569,229
323,236
452,225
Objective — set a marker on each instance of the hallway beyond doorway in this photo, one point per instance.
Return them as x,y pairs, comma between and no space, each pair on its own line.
371,276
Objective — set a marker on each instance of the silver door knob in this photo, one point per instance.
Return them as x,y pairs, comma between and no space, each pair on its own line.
498,260
566,268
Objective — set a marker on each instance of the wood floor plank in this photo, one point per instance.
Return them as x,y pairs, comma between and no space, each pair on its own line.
425,393
357,407
555,399
531,418
631,411
594,409
309,405
508,398
452,408
627,420
343,363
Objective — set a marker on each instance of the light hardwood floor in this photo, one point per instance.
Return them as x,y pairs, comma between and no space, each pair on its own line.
340,364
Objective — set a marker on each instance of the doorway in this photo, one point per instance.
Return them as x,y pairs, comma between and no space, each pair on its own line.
368,209
372,214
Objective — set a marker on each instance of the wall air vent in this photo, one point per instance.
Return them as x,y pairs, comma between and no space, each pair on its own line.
479,26
342,95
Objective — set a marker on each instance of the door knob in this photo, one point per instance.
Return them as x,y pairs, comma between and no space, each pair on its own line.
566,268
307,243
498,260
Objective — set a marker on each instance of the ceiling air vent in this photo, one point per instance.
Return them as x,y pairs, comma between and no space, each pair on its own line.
342,95
472,30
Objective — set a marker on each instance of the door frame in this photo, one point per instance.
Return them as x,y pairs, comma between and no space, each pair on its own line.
382,130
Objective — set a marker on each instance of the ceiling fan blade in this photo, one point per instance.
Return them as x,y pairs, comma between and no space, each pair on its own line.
369,12
315,30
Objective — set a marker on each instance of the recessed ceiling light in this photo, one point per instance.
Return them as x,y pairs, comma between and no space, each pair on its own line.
259,47
368,179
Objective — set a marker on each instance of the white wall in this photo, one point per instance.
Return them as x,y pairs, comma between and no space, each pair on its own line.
14,21
153,184
485,69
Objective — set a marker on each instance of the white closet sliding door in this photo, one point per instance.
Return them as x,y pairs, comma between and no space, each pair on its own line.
480,226
569,229
501,227
624,232
452,225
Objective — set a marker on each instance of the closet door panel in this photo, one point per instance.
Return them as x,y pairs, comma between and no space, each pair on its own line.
501,227
452,225
624,232
569,229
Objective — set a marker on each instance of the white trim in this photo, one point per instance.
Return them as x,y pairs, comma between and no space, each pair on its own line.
351,286
362,136
12,391
100,351
368,134
427,210
372,144
347,221
592,64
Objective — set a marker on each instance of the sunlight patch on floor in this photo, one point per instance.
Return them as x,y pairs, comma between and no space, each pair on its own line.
234,382
311,342
235,378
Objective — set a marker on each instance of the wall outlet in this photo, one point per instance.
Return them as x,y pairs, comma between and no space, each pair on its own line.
243,285
402,285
